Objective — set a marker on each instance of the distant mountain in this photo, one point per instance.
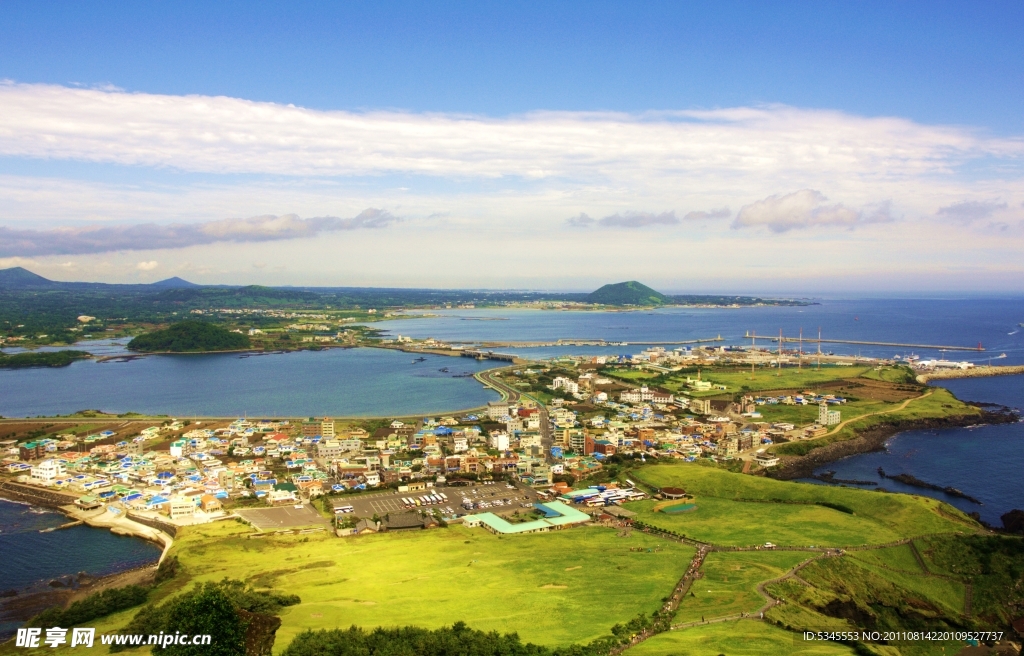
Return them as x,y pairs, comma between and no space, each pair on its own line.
627,293
174,283
18,277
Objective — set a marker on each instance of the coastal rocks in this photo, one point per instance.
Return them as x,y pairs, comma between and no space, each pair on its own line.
830,477
1013,521
914,481
874,439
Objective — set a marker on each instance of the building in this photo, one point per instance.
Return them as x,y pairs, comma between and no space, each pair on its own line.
766,460
497,409
499,441
701,406
643,394
827,417
178,508
567,384
48,471
31,450
318,427
557,515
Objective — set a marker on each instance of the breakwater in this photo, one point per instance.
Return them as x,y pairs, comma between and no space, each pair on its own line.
974,372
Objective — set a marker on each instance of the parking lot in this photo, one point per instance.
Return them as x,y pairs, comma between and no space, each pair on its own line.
281,517
493,497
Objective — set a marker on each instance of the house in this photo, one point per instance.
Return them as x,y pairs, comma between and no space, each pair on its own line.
410,521
208,503
365,527
766,460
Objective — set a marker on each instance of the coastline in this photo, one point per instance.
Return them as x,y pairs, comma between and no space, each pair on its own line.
983,371
874,438
18,605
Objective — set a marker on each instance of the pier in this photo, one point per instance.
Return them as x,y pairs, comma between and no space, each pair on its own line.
816,340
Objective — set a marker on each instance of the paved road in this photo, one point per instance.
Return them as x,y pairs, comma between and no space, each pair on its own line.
514,396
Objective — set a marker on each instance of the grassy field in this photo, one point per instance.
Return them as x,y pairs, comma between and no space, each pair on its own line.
729,585
787,378
553,589
739,638
938,404
730,510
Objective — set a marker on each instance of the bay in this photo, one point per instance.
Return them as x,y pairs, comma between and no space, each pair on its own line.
333,382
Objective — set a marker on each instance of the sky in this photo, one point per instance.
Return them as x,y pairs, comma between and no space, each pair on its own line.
784,147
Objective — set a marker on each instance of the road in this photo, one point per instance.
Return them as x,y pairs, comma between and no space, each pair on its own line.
513,395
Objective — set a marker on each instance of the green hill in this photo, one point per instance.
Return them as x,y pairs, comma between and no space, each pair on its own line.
627,293
189,337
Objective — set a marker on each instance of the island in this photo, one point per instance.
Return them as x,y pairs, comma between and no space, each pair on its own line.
627,293
45,359
189,337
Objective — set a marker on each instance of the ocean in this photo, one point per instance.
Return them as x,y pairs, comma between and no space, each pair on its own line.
983,461
31,559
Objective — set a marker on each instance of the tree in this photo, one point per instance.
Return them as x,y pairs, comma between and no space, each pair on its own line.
208,612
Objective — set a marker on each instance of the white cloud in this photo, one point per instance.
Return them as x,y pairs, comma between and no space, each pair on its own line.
970,210
147,266
805,209
231,135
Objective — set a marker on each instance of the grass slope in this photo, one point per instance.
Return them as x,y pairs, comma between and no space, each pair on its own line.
740,638
729,585
734,509
553,589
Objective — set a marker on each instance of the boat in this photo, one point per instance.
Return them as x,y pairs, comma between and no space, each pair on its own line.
443,370
420,359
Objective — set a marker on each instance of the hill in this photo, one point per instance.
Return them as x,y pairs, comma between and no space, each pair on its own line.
627,293
189,337
17,277
174,283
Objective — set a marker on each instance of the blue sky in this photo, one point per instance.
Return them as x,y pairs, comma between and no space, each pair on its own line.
800,129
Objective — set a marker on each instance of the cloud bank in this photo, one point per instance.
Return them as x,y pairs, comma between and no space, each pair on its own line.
807,209
970,210
231,135
150,236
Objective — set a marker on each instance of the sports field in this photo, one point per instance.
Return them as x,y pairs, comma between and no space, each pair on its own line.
729,584
737,638
552,588
738,510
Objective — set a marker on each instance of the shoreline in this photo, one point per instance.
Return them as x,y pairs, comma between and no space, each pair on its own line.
19,605
874,438
983,371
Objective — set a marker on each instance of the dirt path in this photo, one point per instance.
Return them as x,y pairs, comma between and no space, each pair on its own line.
898,408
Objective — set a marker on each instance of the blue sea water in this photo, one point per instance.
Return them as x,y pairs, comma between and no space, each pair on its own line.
954,322
984,461
29,559
350,382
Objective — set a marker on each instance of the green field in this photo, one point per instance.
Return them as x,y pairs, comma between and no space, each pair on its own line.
552,588
770,379
729,584
939,403
732,510
739,638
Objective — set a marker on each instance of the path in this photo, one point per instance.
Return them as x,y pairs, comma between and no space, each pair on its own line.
898,408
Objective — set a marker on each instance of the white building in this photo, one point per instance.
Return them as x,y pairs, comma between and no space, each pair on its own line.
499,441
567,384
827,417
460,444
48,471
497,409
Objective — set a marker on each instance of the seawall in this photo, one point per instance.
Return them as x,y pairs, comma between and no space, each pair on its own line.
974,372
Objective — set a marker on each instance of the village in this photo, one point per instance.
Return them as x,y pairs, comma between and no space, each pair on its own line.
509,467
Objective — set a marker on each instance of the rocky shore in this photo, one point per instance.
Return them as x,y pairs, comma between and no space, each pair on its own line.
874,439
